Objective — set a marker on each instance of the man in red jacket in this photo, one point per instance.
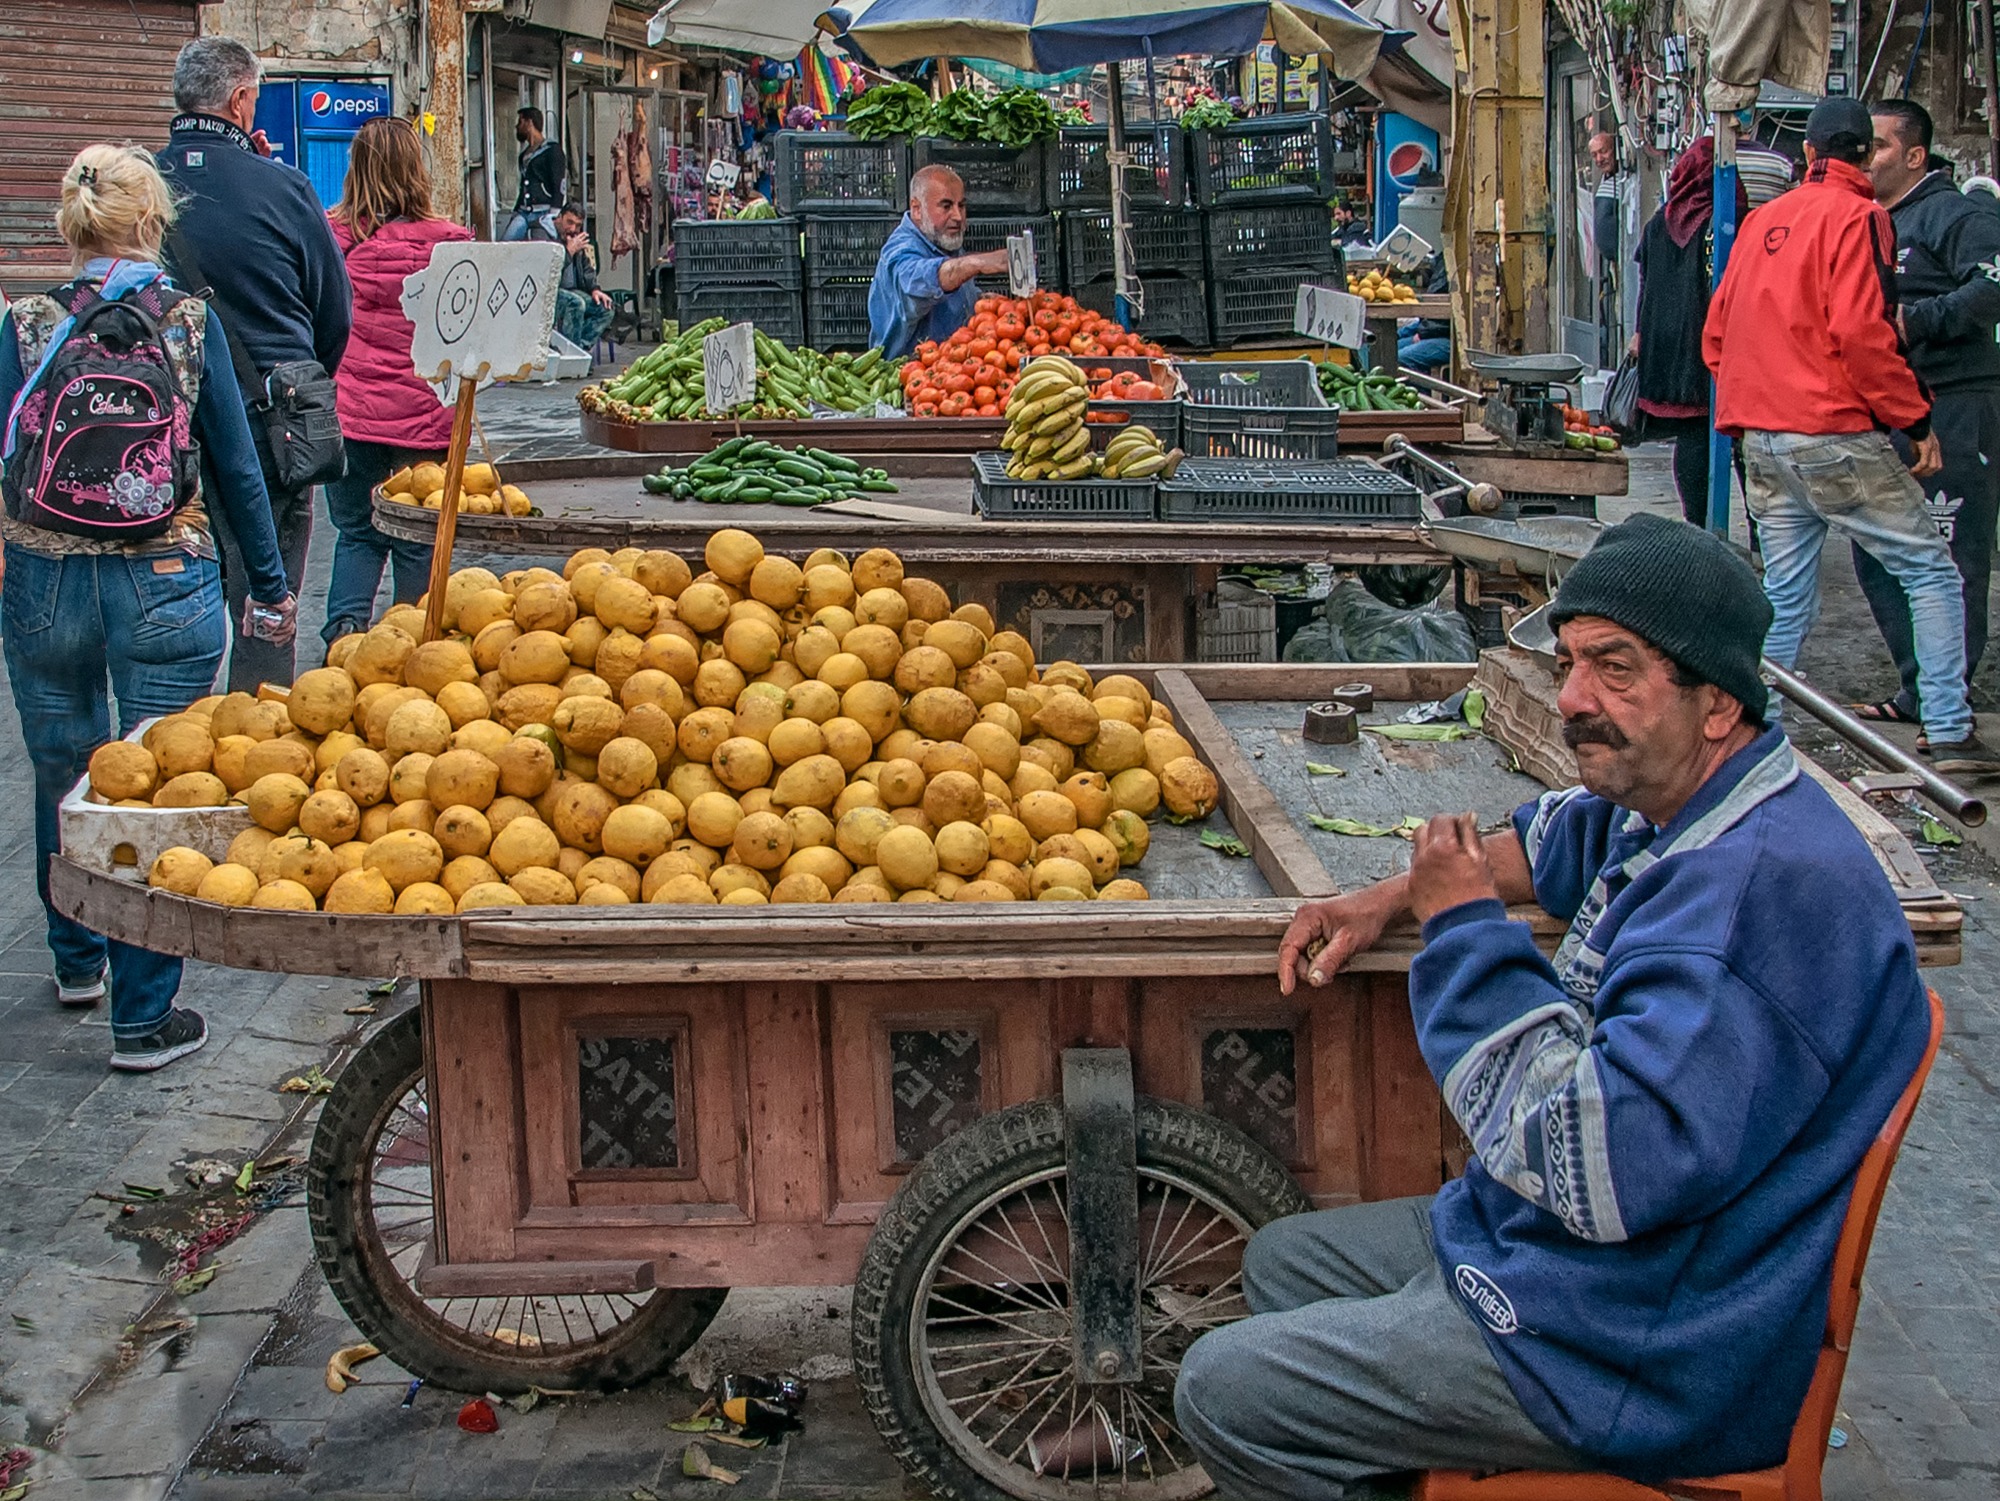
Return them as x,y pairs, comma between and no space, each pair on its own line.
1810,373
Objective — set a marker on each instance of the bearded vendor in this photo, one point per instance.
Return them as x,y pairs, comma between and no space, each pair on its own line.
924,285
1632,1274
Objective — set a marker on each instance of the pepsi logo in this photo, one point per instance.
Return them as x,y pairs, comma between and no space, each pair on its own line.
1406,160
322,102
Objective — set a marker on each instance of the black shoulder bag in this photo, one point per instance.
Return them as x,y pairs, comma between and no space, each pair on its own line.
294,402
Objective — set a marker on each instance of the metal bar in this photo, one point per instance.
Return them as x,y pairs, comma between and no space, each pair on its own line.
1101,1138
1443,385
1121,203
1402,447
1721,452
1955,800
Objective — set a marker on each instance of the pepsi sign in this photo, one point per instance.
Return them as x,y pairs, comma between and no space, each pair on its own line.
346,106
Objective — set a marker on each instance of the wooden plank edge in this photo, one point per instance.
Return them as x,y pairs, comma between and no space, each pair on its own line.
1280,850
489,1279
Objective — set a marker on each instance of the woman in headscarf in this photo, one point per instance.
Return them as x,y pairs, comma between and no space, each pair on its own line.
1676,256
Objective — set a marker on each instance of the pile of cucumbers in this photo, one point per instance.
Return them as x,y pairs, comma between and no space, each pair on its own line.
665,385
1355,390
753,471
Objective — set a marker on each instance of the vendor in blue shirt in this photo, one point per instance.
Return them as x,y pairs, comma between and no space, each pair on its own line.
924,286
1632,1273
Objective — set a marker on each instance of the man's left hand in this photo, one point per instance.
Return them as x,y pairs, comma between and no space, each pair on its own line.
260,143
601,297
1448,867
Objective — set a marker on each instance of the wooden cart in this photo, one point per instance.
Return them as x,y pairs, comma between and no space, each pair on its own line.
1091,591
1035,1138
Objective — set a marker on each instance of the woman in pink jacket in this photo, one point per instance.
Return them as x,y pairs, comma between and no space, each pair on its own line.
389,418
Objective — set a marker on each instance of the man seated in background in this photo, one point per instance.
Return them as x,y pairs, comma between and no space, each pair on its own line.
583,308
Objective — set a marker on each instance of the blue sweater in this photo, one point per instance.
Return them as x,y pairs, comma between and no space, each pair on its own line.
1667,1120
907,304
262,238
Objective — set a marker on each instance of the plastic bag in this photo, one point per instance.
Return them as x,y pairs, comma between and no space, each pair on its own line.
1354,626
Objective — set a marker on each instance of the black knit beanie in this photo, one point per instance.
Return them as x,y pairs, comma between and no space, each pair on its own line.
1684,591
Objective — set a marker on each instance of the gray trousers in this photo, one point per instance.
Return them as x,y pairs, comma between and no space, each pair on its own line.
1357,1361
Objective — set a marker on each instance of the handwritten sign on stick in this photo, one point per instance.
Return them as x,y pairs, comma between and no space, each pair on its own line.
482,312
1331,315
728,368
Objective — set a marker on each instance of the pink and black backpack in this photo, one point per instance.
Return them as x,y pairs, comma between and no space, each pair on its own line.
101,440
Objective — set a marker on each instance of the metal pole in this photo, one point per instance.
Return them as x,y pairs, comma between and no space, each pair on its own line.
1121,204
1988,62
1955,800
1721,452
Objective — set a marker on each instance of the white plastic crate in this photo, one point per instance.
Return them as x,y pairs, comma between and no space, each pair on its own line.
126,841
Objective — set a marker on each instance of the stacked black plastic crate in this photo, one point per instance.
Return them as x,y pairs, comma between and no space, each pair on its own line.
1005,193
745,270
847,195
1167,245
1263,186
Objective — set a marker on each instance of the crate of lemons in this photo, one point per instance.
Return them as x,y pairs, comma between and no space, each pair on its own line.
480,493
1375,287
627,732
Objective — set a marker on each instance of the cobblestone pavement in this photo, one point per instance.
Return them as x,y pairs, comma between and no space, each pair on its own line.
126,1390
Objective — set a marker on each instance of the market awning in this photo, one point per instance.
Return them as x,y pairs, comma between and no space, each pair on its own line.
769,28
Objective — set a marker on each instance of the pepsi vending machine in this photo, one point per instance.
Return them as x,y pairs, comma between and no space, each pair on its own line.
1404,150
310,123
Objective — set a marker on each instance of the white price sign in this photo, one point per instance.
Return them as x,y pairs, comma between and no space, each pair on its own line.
1021,263
728,368
1330,315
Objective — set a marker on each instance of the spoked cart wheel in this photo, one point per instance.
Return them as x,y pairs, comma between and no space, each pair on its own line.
964,1311
370,1204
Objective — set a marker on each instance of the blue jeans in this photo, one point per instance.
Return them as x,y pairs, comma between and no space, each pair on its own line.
156,627
360,552
1797,485
1427,355
530,224
580,320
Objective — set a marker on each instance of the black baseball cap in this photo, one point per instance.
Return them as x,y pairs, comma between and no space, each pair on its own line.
1832,118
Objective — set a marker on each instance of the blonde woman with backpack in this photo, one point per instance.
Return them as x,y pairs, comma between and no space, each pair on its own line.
112,586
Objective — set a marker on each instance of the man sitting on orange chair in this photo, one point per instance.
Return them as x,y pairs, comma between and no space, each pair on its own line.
1632,1274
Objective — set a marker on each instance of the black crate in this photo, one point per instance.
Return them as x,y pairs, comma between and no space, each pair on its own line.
1266,160
1175,310
1080,167
1256,304
1224,490
1303,434
1056,500
1162,241
766,250
843,248
777,310
837,315
1274,234
998,179
1107,419
831,172
990,232
1252,383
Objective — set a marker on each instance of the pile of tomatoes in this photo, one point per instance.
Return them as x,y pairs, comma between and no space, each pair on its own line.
971,373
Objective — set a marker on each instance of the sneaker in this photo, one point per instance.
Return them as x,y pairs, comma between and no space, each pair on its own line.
180,1032
1969,756
83,995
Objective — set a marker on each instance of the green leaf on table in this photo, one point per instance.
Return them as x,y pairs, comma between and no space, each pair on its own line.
1360,830
1321,769
1419,731
1475,708
1228,844
1937,833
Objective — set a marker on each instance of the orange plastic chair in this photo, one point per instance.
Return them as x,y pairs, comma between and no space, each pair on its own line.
1798,1478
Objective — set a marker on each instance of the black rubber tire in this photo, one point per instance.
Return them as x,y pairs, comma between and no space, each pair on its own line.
1001,1149
390,1313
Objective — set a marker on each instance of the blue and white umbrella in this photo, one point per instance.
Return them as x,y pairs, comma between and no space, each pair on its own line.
1049,36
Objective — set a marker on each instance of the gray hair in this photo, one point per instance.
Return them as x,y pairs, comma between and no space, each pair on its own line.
209,70
936,172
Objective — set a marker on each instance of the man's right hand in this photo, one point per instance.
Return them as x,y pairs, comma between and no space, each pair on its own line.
1325,936
1926,458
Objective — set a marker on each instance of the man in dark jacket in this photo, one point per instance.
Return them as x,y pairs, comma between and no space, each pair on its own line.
274,276
1948,303
544,179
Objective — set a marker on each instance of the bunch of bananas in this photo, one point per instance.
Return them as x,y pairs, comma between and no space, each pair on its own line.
1045,436
1136,454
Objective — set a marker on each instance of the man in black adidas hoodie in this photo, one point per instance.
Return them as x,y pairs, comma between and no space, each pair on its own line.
1947,298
